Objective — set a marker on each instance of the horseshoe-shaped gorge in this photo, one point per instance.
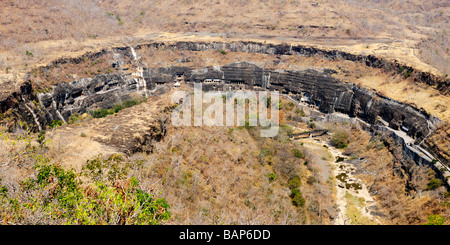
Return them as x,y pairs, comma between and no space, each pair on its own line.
322,84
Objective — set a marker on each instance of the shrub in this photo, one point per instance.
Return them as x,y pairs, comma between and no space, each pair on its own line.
118,108
288,130
296,195
223,51
106,169
434,184
99,113
55,123
311,180
291,105
108,197
297,153
301,112
340,159
41,137
130,103
340,139
435,219
297,198
280,105
407,73
119,19
294,182
311,125
74,118
272,176
115,109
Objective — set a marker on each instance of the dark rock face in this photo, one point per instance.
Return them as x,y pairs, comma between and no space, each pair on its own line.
442,84
102,91
321,90
316,87
17,106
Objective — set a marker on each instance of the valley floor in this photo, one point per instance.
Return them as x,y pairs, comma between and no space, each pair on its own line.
352,196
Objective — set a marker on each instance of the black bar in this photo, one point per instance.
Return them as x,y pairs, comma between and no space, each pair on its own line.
201,234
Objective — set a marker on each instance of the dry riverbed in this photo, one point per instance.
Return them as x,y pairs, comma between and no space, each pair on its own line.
352,196
354,203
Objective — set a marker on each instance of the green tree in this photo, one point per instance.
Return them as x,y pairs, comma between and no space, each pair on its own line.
340,139
297,197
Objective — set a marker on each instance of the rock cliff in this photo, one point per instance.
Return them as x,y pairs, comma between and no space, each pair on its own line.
316,87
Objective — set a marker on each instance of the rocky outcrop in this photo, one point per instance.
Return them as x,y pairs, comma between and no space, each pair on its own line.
440,83
316,87
101,91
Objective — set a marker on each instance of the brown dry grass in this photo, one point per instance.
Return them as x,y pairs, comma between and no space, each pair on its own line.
366,26
219,175
211,176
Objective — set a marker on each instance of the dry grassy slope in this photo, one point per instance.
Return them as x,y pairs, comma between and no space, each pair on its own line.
214,176
73,144
209,175
411,23
219,175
